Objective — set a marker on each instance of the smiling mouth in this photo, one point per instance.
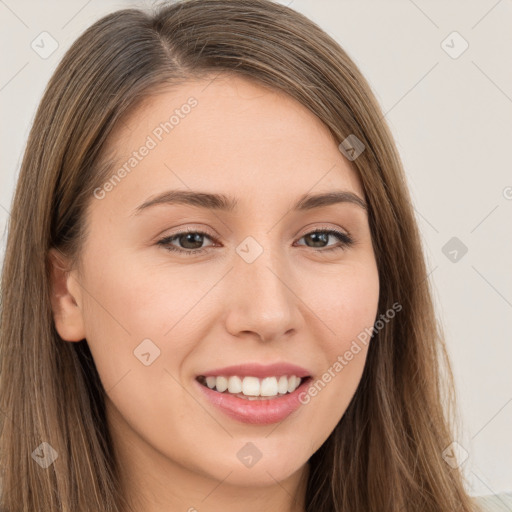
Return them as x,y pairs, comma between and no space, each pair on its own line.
253,388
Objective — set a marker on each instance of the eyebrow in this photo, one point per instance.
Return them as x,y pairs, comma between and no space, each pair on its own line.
228,203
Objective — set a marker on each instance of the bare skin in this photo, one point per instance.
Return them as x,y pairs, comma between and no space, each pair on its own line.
297,302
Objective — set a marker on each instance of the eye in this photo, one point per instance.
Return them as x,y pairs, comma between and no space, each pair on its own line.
191,241
321,236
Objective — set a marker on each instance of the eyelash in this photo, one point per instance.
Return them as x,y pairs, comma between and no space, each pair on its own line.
344,239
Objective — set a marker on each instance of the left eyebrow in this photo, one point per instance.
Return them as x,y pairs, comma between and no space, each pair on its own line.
228,203
308,202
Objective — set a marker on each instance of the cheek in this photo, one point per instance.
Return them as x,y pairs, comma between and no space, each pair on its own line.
125,305
346,301
135,308
139,299
347,305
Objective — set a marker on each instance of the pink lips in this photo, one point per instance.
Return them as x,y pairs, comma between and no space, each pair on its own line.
260,412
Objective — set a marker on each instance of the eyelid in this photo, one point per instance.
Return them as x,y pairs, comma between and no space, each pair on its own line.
324,227
191,229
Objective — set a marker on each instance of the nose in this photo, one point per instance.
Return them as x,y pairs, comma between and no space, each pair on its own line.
262,301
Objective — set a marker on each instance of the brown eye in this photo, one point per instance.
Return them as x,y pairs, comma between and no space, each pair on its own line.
189,242
320,239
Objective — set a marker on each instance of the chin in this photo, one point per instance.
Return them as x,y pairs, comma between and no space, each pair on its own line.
261,473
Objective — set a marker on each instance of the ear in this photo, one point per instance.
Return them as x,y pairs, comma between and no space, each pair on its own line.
66,298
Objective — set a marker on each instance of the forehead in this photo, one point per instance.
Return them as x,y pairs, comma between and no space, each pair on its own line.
228,134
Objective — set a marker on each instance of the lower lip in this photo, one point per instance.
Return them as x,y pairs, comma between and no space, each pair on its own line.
258,412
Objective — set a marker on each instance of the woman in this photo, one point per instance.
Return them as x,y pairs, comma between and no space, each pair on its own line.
214,291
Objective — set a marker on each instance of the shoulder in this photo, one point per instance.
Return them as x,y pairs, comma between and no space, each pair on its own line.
494,502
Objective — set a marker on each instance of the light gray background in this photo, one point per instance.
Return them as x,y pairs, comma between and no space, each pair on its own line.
452,120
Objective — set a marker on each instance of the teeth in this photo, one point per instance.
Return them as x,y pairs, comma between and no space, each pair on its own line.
282,385
269,386
252,387
292,383
221,383
234,385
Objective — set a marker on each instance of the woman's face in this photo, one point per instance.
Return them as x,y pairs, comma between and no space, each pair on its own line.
265,286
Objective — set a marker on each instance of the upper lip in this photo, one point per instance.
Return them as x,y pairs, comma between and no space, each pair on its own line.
259,370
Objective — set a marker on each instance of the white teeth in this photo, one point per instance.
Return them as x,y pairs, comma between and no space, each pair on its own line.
282,385
269,386
252,387
291,383
234,385
221,384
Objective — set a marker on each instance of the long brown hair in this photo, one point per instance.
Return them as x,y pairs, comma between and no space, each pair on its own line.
386,453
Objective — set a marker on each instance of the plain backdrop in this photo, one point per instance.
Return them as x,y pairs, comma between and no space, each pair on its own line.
442,73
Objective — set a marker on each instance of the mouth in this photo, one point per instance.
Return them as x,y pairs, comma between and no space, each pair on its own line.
255,393
251,387
252,400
